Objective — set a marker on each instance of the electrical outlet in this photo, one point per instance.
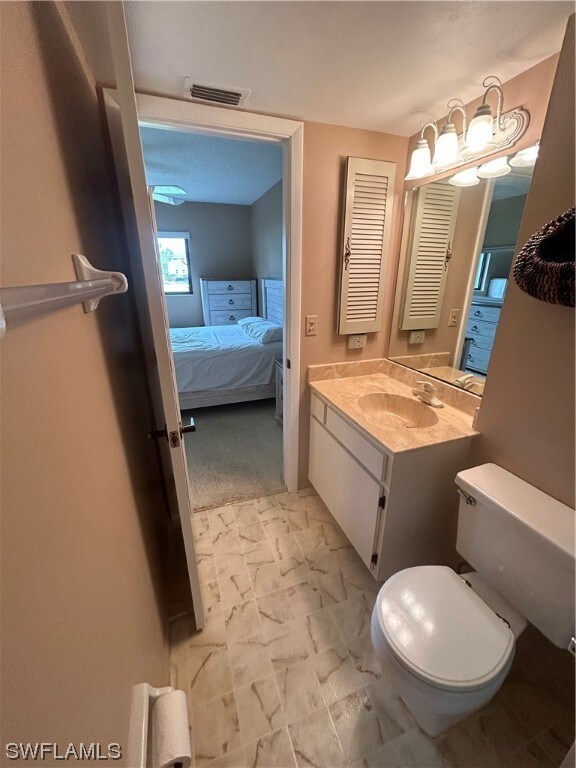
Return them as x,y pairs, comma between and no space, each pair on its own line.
454,314
311,325
416,337
357,341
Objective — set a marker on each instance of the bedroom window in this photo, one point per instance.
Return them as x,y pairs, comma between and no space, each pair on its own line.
174,255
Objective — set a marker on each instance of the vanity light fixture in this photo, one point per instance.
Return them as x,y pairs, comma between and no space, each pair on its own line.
526,158
421,161
480,130
447,145
493,169
467,178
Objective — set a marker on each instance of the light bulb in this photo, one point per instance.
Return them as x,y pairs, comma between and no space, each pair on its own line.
446,151
526,158
480,129
494,168
467,178
420,164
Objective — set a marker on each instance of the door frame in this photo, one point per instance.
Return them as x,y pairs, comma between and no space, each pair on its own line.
173,114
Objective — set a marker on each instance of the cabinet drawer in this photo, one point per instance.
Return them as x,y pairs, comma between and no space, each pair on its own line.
369,456
318,409
228,317
229,286
236,301
481,329
478,360
480,342
490,314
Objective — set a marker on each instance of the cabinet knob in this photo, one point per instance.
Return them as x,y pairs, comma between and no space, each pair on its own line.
232,317
231,301
475,328
230,287
477,313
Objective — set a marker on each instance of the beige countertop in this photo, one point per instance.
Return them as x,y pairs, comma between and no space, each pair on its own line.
343,394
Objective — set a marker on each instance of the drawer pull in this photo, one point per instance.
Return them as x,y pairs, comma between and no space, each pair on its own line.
475,329
231,301
477,313
232,317
230,287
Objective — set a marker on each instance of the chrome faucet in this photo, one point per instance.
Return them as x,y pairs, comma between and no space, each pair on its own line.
426,394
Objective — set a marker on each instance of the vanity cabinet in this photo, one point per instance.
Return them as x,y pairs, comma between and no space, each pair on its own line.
397,509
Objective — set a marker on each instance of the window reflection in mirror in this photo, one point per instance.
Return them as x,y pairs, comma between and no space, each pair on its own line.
455,259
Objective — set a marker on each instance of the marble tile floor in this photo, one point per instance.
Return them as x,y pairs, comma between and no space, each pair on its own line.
283,674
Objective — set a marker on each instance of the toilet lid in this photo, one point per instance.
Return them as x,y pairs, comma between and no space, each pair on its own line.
440,630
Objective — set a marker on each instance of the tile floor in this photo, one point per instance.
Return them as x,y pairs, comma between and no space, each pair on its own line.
283,675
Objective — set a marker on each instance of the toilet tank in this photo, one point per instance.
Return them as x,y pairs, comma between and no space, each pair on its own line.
522,541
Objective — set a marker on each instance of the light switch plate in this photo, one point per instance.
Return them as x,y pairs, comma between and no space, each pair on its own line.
453,320
311,328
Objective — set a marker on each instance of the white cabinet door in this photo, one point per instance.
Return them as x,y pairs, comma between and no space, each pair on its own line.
357,502
324,457
346,488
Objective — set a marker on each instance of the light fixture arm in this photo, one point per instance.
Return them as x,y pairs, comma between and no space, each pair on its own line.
431,124
495,86
457,105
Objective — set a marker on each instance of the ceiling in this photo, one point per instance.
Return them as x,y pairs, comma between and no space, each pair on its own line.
374,65
211,169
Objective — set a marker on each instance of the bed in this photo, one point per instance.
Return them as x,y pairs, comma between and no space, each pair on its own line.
221,364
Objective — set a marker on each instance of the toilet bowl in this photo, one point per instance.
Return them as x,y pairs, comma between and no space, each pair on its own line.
447,642
440,645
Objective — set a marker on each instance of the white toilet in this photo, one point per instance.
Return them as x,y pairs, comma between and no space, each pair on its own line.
446,641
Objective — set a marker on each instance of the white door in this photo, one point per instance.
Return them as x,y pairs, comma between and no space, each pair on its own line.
122,122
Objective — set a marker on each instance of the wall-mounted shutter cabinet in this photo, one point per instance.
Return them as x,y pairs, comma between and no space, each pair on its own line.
429,251
367,224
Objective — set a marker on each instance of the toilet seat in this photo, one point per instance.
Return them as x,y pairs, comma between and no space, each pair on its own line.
438,629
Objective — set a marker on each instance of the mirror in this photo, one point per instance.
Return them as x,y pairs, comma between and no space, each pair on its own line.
457,248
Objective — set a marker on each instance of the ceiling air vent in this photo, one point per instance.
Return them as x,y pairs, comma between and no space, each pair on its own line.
215,94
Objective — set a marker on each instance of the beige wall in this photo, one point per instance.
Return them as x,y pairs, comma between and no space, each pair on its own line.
220,246
82,515
325,150
527,414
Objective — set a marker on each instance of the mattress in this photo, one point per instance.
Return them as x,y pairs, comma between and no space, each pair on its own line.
221,357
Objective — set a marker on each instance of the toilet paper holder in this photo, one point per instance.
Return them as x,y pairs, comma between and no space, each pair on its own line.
141,752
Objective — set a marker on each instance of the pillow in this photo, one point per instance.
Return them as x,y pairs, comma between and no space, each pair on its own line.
261,330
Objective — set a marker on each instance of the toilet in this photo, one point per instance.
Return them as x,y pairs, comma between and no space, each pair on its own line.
446,641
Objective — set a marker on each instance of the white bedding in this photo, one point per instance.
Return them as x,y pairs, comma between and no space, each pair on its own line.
221,357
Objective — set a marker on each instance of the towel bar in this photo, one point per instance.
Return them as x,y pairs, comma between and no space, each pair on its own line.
22,303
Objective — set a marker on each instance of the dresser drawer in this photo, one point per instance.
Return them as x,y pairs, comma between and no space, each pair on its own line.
227,302
490,314
228,317
479,329
229,286
478,360
480,342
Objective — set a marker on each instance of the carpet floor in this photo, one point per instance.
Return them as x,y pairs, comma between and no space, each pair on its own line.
235,453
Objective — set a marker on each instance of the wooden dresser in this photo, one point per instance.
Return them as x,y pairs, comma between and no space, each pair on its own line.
481,329
224,302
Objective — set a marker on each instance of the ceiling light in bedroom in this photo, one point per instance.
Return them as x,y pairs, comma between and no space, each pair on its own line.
164,193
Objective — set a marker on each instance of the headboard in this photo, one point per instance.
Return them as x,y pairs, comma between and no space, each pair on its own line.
273,300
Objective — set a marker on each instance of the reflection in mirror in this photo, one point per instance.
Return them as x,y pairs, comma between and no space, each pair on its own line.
457,249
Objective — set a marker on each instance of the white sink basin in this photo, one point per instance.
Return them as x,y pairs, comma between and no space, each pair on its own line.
397,411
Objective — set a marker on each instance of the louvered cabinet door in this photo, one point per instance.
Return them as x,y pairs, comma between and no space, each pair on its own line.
429,254
369,193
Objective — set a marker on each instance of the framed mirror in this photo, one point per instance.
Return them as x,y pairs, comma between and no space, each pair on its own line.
457,248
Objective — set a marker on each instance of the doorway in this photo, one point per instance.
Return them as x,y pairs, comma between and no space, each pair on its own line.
214,423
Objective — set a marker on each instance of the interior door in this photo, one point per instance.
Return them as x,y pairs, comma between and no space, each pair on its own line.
122,122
